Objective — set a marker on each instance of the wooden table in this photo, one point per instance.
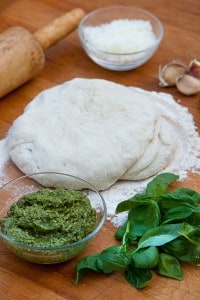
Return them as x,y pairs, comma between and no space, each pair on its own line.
64,61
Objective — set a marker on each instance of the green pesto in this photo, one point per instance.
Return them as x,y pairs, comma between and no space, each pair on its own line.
50,218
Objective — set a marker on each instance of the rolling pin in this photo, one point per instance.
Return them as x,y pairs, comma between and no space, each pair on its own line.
22,52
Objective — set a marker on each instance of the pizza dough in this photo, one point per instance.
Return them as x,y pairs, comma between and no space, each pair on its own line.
97,130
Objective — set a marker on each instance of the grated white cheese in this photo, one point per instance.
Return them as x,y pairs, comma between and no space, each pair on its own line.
121,36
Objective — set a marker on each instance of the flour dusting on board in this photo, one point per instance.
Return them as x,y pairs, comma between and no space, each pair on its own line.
189,160
4,157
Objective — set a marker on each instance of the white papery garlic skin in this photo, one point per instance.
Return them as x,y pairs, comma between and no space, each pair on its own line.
168,74
187,84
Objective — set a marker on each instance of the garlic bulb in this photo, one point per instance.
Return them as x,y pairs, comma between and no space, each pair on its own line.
187,84
168,74
186,79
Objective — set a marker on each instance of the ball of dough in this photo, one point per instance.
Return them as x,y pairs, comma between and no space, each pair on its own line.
94,129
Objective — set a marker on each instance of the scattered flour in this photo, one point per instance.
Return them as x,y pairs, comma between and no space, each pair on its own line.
122,190
4,156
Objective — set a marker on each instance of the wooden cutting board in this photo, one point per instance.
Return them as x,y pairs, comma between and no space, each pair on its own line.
64,61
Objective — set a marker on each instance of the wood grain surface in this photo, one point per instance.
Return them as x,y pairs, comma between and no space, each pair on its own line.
64,61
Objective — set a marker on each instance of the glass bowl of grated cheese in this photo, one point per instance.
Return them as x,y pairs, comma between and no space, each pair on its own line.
120,37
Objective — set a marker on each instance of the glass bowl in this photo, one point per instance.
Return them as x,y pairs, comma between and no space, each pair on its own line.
18,187
104,47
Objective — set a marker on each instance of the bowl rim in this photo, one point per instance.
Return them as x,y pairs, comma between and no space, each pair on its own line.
129,7
63,247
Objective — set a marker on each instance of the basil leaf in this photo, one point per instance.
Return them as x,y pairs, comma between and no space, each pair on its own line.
112,249
191,233
189,193
193,219
109,262
106,262
133,202
146,258
138,278
132,238
182,249
159,184
85,264
119,234
159,235
169,266
168,204
180,213
177,197
144,217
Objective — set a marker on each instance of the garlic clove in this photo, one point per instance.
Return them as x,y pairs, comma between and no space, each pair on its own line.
188,85
194,68
168,74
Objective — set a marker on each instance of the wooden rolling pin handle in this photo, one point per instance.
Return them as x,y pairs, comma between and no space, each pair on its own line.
59,28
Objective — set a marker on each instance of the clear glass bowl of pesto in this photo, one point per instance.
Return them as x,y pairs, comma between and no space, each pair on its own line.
51,222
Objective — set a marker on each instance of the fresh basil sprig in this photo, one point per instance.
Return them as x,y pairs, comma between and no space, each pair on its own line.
162,229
